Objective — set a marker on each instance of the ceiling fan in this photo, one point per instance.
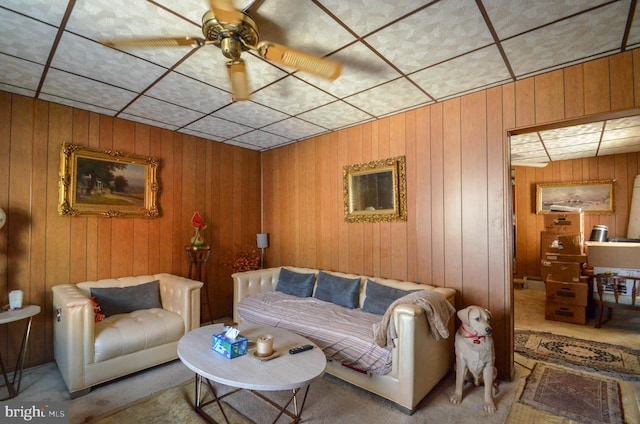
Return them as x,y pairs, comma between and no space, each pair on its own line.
234,31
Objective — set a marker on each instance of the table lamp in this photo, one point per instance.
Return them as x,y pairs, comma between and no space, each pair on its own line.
263,243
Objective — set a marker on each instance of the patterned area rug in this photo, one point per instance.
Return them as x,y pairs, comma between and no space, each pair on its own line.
578,396
615,361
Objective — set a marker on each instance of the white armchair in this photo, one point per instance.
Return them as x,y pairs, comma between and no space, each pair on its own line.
89,353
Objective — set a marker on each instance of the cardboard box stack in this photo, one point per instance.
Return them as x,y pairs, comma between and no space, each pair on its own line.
562,253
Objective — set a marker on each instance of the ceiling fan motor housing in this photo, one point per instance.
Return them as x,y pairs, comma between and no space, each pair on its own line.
231,38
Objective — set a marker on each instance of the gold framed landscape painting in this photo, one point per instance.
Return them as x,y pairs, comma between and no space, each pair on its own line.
107,183
592,197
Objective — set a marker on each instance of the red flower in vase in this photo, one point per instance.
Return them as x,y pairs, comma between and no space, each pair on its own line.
196,221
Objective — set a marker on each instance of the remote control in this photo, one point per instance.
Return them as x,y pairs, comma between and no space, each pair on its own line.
299,349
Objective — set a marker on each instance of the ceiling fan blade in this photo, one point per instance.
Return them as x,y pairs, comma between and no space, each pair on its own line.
224,11
281,55
155,42
252,7
238,78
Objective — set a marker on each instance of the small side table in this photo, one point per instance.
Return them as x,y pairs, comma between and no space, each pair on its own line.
8,317
198,257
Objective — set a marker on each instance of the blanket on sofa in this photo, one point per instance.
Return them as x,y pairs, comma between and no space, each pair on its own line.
343,334
437,309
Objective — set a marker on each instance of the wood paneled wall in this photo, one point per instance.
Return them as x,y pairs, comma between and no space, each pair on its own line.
623,168
459,231
40,249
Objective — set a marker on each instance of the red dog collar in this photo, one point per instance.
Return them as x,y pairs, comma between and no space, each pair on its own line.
476,339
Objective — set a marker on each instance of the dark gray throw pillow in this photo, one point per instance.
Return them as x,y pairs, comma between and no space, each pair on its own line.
338,290
122,300
379,297
295,283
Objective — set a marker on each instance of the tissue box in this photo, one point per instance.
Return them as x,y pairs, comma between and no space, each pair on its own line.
229,348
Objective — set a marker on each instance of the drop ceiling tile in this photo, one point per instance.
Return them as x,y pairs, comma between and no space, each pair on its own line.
84,90
335,115
241,144
157,110
365,16
184,91
532,157
25,38
525,138
190,9
93,60
295,129
259,140
250,114
573,155
567,41
535,156
583,150
622,133
362,69
389,98
301,25
292,96
50,11
194,9
572,131
619,142
148,121
634,33
515,17
111,19
475,70
17,90
619,150
421,40
217,127
77,104
19,73
527,147
629,121
574,141
209,65
538,155
199,134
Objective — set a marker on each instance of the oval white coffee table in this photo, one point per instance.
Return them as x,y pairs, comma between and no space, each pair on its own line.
285,372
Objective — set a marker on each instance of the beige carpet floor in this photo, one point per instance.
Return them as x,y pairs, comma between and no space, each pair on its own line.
330,400
569,393
45,383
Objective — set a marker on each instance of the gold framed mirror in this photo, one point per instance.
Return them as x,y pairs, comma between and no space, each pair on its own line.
107,183
375,191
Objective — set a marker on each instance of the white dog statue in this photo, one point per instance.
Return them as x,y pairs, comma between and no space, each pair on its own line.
475,354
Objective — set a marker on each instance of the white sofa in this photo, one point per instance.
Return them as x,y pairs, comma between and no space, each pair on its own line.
419,361
89,353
